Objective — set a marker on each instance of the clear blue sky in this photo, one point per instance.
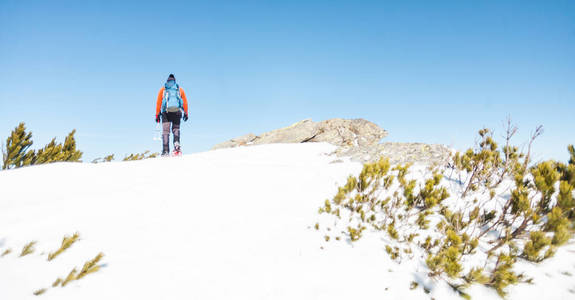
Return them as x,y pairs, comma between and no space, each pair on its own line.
427,71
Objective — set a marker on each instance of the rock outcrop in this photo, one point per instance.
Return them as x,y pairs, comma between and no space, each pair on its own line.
339,132
398,153
358,139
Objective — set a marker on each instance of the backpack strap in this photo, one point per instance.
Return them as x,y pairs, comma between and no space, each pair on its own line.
165,100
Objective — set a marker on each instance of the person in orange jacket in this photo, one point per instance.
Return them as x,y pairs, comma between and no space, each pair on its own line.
170,104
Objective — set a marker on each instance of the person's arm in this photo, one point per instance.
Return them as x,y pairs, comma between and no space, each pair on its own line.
159,101
185,100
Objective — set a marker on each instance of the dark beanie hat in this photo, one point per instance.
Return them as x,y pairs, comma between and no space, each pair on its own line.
171,77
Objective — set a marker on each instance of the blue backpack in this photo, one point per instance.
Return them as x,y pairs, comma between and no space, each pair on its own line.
172,100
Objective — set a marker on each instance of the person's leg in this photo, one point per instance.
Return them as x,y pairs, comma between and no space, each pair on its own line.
165,134
175,119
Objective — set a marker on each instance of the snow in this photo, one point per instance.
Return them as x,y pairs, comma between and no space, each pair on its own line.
224,224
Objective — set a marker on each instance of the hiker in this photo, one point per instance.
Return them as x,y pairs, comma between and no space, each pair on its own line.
169,106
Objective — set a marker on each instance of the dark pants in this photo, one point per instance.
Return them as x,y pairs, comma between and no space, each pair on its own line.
170,120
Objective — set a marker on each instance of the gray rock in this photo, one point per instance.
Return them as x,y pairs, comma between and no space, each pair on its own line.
398,153
236,142
245,139
337,161
358,139
299,132
358,132
339,132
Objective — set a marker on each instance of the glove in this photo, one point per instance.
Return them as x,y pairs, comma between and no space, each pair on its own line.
185,117
158,118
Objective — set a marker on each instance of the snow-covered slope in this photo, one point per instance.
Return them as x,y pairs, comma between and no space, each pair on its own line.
226,224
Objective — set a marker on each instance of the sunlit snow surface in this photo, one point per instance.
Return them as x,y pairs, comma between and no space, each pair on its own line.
226,224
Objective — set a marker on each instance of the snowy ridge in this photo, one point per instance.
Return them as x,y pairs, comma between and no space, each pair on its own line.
225,224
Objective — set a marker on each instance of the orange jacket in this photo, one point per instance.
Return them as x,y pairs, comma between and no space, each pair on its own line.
161,97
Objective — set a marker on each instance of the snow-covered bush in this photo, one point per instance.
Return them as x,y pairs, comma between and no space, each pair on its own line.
470,220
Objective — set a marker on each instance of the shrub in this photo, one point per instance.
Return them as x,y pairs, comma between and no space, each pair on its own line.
140,156
71,277
565,197
57,282
528,224
6,252
561,236
17,153
481,163
67,241
445,261
537,241
54,152
107,158
28,249
90,266
545,175
355,233
476,275
39,292
503,275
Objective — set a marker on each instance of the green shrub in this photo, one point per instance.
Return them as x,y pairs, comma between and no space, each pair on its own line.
431,194
28,249
503,275
6,252
54,152
107,158
445,261
392,252
555,219
355,233
476,275
71,277
39,292
140,156
545,176
17,153
529,224
57,282
67,241
561,236
392,231
565,197
422,221
537,241
481,164
90,266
